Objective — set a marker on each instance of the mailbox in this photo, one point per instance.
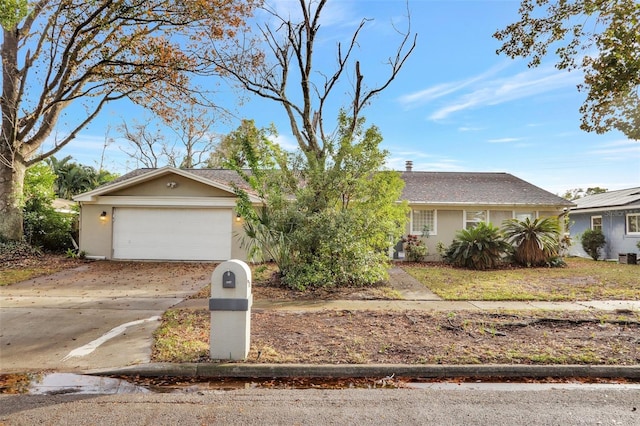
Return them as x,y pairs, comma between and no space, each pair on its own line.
230,307
228,279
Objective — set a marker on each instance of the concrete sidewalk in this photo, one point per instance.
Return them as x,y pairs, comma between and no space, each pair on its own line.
415,296
427,305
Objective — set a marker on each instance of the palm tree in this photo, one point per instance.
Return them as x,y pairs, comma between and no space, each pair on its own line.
74,178
481,247
536,242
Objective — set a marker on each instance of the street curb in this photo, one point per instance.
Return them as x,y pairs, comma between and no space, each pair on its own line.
210,370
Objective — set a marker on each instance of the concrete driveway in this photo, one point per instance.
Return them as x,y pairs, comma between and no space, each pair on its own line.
99,315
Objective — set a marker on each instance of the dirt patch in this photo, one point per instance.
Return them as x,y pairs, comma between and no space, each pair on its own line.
416,337
419,337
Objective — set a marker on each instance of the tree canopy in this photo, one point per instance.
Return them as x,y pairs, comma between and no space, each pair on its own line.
601,38
284,71
186,143
330,212
62,53
575,193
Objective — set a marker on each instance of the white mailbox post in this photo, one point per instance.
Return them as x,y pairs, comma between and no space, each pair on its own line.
230,307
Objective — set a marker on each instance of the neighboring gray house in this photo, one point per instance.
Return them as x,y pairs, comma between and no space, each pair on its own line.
175,214
616,213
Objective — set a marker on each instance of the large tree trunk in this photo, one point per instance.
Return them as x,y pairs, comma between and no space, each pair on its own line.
11,183
12,167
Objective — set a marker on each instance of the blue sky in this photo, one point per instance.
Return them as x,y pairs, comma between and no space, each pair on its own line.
456,106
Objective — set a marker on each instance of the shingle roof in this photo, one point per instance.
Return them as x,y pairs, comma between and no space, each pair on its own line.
429,187
475,188
619,198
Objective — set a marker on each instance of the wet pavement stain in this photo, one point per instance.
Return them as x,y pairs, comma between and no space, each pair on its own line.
51,383
65,383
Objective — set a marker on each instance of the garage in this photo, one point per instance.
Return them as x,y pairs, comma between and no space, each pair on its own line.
150,233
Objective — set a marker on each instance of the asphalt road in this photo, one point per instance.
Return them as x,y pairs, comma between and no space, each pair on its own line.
332,407
91,317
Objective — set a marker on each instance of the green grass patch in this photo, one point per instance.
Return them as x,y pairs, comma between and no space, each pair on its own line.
183,336
12,276
581,279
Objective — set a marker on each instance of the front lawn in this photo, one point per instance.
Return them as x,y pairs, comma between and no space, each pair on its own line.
581,279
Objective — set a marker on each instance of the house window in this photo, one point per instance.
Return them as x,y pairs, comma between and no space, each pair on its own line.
473,217
521,216
596,223
422,220
633,223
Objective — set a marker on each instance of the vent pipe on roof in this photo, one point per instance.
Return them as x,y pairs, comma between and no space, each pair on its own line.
409,165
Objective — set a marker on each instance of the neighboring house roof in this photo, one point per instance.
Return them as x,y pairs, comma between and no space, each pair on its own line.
463,188
64,206
428,188
609,200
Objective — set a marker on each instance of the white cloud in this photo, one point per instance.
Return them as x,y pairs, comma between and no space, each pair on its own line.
285,141
421,97
623,142
333,13
623,152
483,90
504,140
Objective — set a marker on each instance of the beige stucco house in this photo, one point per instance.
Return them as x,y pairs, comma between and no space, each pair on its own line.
442,203
175,214
163,214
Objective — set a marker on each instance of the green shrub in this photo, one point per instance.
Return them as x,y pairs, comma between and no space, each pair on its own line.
481,247
415,248
44,227
592,241
307,276
338,252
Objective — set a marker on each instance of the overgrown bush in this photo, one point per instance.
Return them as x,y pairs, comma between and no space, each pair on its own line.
43,225
340,255
481,247
535,242
325,222
592,241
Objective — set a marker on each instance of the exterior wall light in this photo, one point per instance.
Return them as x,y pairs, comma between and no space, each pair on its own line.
103,216
238,218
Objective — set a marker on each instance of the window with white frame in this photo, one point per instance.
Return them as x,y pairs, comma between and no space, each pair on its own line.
521,216
596,223
633,223
423,220
473,217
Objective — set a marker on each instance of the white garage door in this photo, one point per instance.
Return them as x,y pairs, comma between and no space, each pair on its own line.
172,234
